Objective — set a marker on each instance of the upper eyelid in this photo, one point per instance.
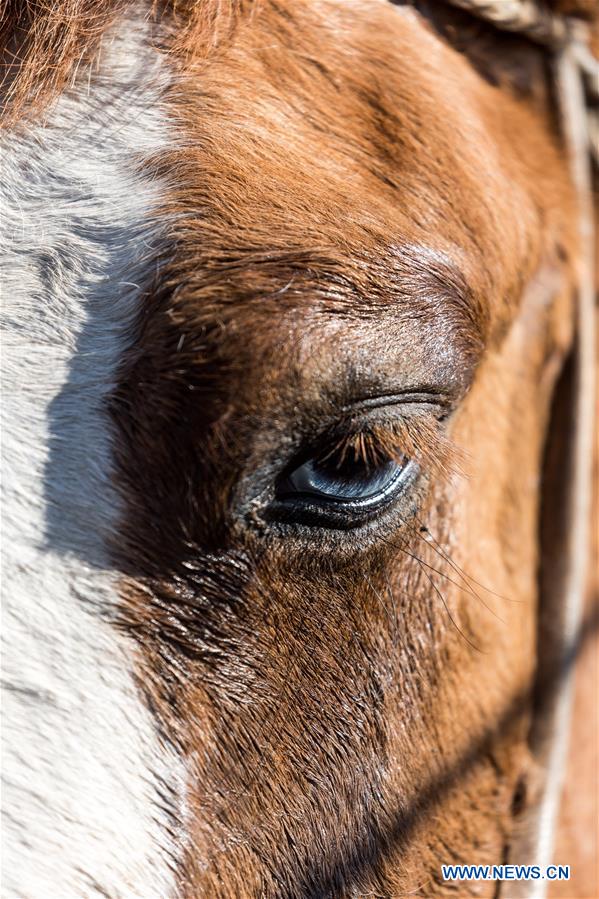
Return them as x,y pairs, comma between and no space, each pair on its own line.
416,426
421,396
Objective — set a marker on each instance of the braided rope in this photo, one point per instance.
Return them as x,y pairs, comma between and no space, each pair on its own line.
521,16
576,73
533,19
588,66
578,505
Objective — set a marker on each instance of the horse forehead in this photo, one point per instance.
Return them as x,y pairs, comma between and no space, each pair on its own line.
338,120
336,152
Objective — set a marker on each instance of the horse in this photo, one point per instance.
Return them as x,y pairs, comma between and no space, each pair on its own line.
296,436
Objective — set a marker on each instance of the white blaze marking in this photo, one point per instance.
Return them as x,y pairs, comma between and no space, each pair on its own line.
82,761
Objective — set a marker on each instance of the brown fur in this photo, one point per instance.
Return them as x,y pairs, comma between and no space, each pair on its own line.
44,43
354,211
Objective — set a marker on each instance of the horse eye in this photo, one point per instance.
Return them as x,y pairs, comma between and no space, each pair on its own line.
349,482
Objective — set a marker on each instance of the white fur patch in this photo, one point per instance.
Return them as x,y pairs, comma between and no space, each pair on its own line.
89,788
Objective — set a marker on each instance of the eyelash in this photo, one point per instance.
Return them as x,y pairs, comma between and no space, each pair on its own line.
418,438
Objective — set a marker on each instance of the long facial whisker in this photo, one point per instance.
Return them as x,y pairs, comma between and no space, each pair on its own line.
467,589
423,567
460,571
451,618
442,574
390,612
391,594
